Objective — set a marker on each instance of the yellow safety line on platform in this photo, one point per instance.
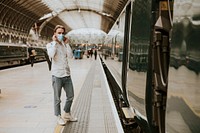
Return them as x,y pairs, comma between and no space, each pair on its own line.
58,129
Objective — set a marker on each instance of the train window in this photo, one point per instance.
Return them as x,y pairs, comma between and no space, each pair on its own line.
113,50
138,55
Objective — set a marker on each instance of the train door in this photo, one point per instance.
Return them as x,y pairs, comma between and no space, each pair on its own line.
183,100
137,60
160,50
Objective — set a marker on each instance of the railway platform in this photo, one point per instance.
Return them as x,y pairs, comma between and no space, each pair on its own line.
26,100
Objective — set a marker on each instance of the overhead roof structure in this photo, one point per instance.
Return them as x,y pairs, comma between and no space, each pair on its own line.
21,15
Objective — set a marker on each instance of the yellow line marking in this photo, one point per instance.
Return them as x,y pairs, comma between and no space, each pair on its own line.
58,128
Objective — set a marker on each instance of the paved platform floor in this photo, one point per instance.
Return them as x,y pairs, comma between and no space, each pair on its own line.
26,99
94,106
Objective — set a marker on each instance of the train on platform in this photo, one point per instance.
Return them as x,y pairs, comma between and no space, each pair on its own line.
18,54
154,67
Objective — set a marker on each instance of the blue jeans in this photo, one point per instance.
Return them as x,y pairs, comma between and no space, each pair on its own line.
66,84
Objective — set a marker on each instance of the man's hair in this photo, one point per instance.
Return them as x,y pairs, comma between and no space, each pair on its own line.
59,26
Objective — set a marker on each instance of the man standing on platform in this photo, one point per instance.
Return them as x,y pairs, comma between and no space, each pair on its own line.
59,50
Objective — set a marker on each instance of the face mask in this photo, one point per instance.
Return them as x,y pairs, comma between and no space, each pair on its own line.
60,37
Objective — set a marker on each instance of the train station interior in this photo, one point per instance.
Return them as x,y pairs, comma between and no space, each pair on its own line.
31,23
123,66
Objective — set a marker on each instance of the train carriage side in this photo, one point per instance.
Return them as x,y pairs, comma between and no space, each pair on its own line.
144,68
40,53
131,73
183,101
172,67
12,54
158,78
17,54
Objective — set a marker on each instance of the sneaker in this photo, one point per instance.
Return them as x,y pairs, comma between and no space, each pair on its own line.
68,117
60,120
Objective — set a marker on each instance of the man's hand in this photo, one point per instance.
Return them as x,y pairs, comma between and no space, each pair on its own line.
54,38
66,40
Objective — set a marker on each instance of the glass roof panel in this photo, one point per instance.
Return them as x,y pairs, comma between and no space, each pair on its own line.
86,19
55,5
78,13
86,35
59,5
